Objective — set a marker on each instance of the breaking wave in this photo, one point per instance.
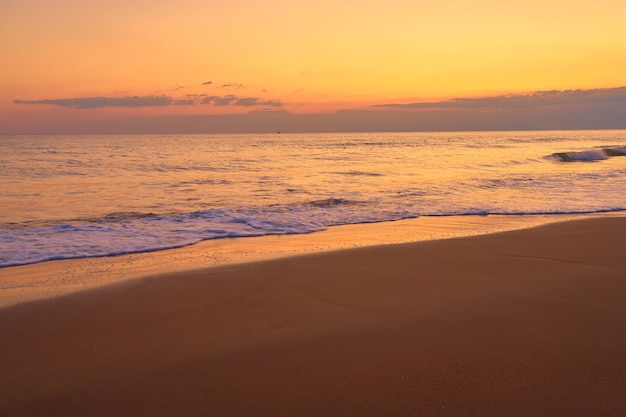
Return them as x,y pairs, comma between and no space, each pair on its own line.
590,155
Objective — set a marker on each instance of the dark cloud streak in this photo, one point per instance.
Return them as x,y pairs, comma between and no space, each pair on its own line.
151,101
536,99
255,101
219,100
234,85
186,102
99,102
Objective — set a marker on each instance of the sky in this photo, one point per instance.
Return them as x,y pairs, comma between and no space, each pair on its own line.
192,66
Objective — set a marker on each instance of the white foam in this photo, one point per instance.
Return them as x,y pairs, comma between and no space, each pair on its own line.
583,156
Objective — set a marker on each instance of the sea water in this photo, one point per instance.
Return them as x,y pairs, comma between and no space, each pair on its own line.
67,197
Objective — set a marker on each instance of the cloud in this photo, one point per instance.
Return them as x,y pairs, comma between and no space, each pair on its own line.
233,85
231,99
255,101
151,101
99,102
219,100
185,102
536,99
208,99
207,82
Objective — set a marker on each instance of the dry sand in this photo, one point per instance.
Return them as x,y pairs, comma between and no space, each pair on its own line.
523,323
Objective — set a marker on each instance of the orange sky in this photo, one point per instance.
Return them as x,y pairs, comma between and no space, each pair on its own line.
302,57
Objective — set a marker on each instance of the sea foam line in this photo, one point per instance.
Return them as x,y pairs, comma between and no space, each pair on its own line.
87,241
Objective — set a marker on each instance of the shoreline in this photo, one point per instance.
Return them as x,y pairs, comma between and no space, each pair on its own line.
54,278
519,323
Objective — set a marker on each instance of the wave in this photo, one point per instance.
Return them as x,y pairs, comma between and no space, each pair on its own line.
129,233
528,213
590,155
332,202
358,173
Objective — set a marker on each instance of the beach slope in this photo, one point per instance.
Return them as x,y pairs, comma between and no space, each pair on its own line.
522,323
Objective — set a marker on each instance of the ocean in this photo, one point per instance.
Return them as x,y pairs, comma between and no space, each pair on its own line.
65,197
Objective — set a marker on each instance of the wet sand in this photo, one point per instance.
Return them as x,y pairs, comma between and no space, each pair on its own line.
524,323
55,278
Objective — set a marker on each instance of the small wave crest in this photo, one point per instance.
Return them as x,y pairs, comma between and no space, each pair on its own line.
590,155
122,216
359,173
331,202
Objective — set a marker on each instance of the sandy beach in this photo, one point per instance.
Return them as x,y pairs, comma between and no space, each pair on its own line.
523,323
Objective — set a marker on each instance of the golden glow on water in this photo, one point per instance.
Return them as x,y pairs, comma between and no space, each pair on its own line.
94,176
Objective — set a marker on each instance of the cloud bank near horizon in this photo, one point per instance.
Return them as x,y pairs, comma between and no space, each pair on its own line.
543,110
534,99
